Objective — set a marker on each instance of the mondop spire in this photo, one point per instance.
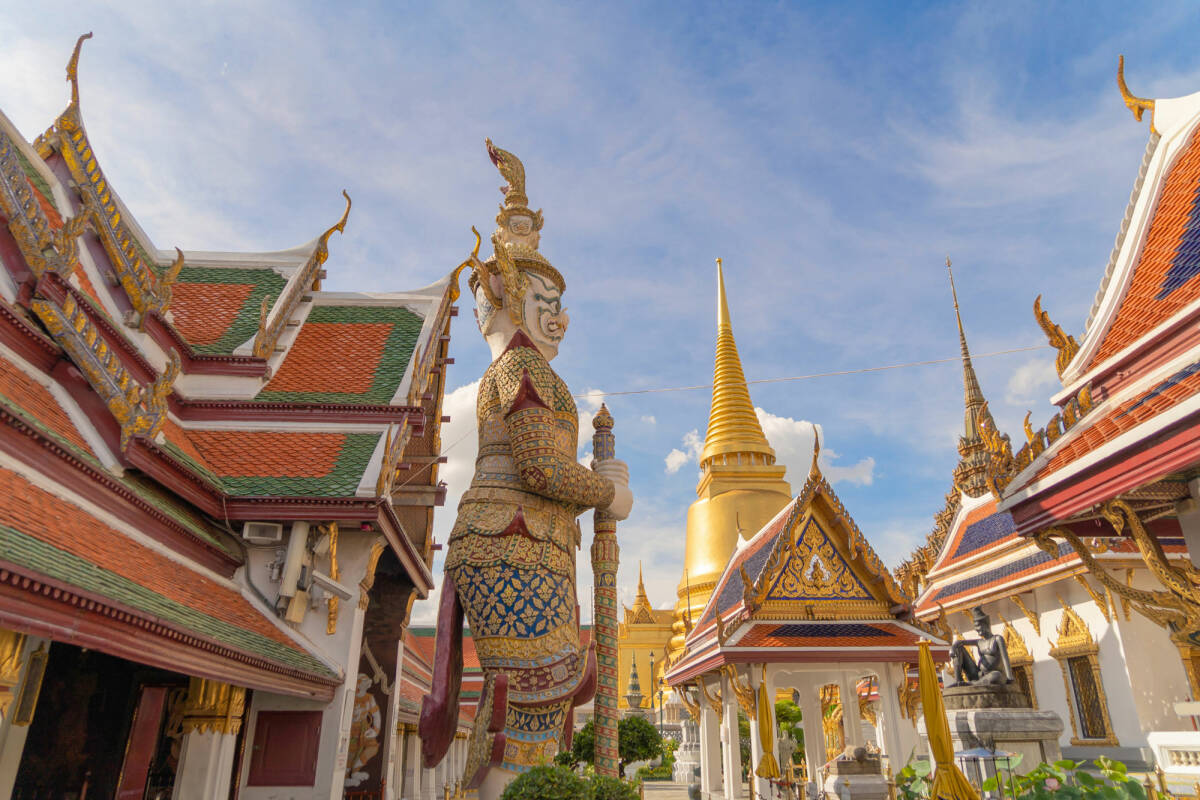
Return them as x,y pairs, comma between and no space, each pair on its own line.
971,474
733,426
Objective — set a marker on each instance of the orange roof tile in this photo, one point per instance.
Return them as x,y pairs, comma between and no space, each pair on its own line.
35,399
1126,416
1166,277
269,453
203,312
841,634
331,357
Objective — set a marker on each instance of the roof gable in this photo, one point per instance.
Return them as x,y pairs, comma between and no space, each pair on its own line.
815,569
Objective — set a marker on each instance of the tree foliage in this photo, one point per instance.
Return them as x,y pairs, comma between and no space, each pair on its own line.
637,740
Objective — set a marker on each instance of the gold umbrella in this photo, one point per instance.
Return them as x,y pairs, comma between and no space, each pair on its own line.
948,781
768,767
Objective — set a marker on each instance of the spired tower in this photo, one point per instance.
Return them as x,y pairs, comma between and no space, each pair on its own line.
740,489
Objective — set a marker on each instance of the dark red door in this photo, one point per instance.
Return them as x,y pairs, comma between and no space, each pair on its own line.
143,738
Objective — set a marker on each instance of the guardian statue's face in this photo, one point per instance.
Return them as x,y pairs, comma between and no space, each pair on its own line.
545,318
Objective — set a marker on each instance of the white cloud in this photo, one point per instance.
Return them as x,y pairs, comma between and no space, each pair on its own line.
461,447
588,404
692,447
792,440
1032,382
649,419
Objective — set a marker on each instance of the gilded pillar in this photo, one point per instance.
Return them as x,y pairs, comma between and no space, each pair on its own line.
212,718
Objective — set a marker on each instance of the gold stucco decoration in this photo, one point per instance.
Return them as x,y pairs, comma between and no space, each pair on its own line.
393,453
272,325
213,707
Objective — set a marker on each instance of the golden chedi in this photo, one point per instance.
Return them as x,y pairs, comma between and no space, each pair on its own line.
740,489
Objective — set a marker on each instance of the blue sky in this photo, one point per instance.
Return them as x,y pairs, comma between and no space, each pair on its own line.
831,154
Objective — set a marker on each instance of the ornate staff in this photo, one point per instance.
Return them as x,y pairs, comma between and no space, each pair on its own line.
605,557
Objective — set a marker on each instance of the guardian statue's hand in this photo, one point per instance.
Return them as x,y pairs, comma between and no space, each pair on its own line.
617,471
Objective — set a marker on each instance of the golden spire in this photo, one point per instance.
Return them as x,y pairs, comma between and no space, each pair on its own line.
642,600
733,426
971,473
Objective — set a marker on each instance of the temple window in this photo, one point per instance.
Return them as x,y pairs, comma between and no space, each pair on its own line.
1021,661
1076,652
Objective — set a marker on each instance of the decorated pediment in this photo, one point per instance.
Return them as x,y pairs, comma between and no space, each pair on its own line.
821,565
814,569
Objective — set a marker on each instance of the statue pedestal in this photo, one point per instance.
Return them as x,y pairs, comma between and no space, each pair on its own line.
1033,734
856,779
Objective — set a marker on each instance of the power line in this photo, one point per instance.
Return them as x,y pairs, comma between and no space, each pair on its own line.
822,374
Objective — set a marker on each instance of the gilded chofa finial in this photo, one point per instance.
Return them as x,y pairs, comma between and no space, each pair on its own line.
1065,344
1138,105
73,68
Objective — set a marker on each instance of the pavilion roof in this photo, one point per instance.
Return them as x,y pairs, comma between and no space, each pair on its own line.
807,587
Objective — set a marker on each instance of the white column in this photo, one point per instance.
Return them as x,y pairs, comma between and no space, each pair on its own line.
889,715
205,766
814,731
710,752
851,724
428,779
412,766
731,754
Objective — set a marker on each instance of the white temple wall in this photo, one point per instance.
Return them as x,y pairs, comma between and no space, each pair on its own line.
1153,668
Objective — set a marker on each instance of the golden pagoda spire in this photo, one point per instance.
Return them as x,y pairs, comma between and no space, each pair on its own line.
733,427
740,488
971,473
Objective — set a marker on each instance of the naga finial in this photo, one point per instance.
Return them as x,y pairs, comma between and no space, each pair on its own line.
1064,343
73,68
513,171
1138,105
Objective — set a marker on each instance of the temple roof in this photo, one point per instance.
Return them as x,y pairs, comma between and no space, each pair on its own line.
806,572
1153,273
39,540
152,401
1132,391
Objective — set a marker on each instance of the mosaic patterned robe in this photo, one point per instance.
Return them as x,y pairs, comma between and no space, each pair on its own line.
512,561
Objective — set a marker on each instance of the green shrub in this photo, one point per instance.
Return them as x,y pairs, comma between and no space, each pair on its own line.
548,783
613,789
